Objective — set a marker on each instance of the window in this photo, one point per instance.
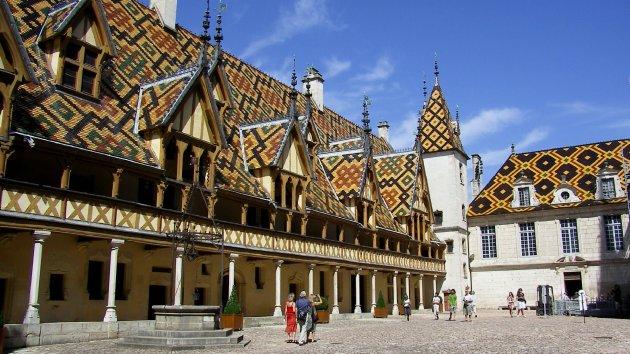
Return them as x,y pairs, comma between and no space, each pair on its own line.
258,278
488,242
438,217
55,287
614,232
528,239
120,282
463,212
608,188
568,229
80,67
523,197
95,280
449,246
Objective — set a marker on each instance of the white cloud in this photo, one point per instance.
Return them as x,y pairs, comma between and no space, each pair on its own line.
334,67
382,70
305,15
584,108
533,137
403,133
498,156
489,121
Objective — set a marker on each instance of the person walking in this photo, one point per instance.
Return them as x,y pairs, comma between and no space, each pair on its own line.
452,305
315,301
510,303
474,302
468,306
522,303
407,306
304,319
436,305
289,318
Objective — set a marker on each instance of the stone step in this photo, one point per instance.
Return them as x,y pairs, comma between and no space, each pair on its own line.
182,342
162,333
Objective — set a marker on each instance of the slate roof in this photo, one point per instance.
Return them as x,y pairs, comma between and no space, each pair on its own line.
544,168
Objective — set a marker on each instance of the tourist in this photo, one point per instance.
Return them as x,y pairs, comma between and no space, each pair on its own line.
474,302
452,305
289,318
510,302
315,301
304,319
407,306
467,306
522,303
437,300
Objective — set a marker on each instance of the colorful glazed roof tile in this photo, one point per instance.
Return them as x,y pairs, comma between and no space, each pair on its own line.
23,61
579,164
261,143
345,171
323,199
232,176
397,177
437,128
385,219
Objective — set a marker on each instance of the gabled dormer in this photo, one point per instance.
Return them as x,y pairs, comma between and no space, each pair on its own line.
77,42
565,193
524,193
608,183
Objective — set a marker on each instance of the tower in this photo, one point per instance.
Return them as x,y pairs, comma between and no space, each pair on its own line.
445,162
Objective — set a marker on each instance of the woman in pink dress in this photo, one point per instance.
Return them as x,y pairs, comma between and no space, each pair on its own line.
290,319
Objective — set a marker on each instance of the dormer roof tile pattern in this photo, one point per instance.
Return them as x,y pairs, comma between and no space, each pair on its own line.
437,128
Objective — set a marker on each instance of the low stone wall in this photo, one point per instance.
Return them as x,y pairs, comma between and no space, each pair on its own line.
21,335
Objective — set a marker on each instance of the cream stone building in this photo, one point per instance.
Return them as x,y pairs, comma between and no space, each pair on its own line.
555,217
142,165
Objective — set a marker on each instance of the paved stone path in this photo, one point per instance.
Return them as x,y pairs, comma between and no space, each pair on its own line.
491,332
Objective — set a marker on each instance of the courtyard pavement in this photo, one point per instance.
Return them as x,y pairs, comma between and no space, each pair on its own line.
492,332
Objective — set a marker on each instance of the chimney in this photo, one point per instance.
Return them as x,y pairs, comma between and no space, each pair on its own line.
383,130
315,79
167,10
477,166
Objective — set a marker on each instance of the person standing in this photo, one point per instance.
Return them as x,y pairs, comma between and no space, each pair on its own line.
304,318
289,318
315,301
436,305
452,305
522,303
474,302
510,303
407,306
468,306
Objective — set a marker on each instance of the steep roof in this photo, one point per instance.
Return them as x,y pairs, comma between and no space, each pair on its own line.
579,164
437,125
396,178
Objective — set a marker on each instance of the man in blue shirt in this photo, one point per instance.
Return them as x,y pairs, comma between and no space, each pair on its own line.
303,305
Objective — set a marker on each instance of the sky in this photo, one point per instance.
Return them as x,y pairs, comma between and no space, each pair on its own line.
538,74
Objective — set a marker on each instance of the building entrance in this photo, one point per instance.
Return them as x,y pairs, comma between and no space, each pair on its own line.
157,296
572,283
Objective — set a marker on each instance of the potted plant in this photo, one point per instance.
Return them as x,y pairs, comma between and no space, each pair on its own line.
232,316
322,310
380,311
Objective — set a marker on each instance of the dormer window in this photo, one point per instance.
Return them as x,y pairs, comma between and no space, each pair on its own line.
80,67
608,188
608,184
524,194
565,193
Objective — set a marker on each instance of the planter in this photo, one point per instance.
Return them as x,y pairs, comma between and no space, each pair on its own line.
323,316
380,312
234,321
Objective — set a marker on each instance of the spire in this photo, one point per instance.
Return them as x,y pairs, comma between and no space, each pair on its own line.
218,37
424,90
205,37
437,72
308,96
513,149
366,124
293,94
457,119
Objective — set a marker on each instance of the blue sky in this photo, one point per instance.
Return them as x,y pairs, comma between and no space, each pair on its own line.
536,74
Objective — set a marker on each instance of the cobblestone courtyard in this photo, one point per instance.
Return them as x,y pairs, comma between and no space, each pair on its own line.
491,332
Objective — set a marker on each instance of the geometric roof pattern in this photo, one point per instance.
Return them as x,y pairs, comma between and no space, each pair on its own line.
262,142
397,178
437,128
578,164
345,171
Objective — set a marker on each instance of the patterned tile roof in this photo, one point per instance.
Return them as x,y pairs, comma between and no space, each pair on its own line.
231,175
345,171
323,199
262,142
437,127
396,178
579,164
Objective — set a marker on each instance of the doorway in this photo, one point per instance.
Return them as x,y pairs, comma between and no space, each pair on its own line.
572,283
157,296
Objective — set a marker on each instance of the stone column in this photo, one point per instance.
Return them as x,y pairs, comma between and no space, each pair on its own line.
373,290
233,257
179,263
407,285
435,284
335,310
357,283
277,312
32,312
421,297
110,313
395,283
311,267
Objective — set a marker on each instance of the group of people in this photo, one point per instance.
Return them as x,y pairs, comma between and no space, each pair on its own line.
302,312
469,301
520,299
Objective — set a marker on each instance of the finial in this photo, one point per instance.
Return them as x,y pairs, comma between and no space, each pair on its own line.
457,117
294,76
424,89
366,116
437,72
293,94
218,37
513,149
308,100
205,37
